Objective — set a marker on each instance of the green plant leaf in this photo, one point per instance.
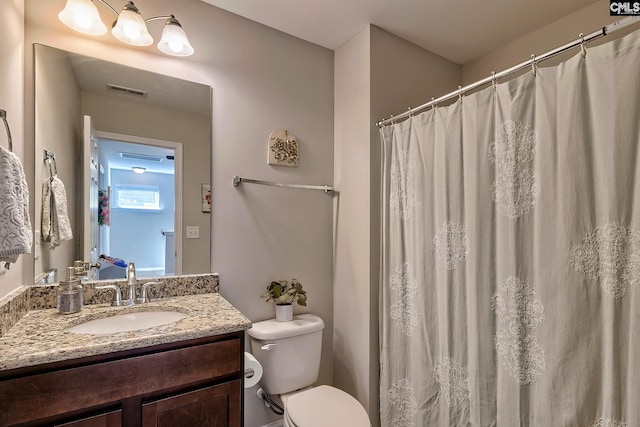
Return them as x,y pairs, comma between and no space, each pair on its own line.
302,299
285,292
276,291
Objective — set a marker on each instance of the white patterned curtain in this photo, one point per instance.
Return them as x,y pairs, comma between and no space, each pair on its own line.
511,252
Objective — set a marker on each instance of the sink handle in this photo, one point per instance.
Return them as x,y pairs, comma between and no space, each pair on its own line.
143,295
117,295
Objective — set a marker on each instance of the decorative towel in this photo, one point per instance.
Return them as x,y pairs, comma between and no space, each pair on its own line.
15,224
103,208
56,227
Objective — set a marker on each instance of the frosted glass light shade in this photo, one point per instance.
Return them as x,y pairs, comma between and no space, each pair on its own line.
82,16
131,28
174,40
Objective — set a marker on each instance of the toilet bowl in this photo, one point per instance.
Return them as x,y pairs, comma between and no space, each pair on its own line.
289,353
323,406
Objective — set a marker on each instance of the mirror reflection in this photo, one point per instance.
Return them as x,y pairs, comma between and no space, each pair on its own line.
129,153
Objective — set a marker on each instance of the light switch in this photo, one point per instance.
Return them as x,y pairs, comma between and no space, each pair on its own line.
193,232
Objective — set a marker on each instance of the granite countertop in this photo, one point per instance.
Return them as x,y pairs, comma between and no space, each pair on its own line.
41,336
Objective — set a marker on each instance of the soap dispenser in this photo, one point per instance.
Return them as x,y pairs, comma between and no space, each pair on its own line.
69,298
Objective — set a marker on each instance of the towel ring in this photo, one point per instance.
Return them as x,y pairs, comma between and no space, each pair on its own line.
50,159
3,116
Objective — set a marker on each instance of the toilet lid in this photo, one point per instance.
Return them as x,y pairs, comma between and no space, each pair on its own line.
324,406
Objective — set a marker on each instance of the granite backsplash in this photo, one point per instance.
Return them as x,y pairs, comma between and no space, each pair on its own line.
15,305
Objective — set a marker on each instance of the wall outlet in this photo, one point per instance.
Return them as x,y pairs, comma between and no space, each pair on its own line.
193,232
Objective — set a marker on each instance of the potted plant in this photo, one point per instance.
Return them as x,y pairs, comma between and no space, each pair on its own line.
284,293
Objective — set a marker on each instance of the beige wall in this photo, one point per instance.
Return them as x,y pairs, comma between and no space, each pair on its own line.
557,33
12,101
352,240
263,80
59,130
126,117
405,75
376,74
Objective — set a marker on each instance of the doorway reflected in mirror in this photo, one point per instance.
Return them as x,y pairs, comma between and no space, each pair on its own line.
136,204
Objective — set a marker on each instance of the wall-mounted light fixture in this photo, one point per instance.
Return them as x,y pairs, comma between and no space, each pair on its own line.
130,27
138,169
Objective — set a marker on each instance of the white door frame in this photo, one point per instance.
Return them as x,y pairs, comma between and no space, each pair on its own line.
177,147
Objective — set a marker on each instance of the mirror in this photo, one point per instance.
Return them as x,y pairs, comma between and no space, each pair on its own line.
156,124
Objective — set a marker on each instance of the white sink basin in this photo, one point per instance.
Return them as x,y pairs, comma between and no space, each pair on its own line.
127,322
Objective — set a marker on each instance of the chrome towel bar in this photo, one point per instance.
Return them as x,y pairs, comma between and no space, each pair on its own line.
239,180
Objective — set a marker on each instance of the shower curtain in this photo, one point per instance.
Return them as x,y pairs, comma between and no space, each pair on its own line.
510,288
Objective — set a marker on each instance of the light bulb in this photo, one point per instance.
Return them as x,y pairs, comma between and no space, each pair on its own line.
130,28
175,46
83,21
174,40
82,15
131,32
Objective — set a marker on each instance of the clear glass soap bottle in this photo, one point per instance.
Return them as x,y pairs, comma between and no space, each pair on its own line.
69,298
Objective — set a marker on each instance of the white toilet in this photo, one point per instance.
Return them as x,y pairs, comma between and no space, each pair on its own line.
289,353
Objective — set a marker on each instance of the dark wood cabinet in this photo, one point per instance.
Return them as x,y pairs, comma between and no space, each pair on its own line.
194,383
110,419
215,406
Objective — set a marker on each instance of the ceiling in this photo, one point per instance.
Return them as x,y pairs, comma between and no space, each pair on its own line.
459,30
93,75
110,150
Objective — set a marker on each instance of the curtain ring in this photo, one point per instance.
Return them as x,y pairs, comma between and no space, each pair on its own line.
583,46
410,113
494,81
534,64
460,93
433,104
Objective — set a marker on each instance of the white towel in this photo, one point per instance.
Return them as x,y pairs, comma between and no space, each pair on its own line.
56,227
15,224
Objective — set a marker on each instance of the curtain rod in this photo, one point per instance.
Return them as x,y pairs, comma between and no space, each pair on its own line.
237,180
535,59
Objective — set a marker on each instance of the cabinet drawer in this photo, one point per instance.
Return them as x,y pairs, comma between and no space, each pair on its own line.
62,391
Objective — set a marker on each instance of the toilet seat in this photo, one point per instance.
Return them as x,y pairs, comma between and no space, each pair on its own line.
324,406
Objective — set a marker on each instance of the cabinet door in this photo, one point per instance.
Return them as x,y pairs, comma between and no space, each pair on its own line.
216,406
110,419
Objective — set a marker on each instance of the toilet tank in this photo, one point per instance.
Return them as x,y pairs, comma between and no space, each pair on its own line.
289,352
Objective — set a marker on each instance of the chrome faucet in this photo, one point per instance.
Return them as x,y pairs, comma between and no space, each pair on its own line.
131,283
143,293
117,298
131,289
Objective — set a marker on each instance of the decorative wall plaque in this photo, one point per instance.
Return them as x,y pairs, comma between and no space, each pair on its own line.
283,149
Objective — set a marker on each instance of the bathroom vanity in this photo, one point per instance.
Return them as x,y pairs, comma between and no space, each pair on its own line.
188,372
194,383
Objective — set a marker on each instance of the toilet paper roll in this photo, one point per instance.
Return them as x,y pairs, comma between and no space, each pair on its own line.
252,370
